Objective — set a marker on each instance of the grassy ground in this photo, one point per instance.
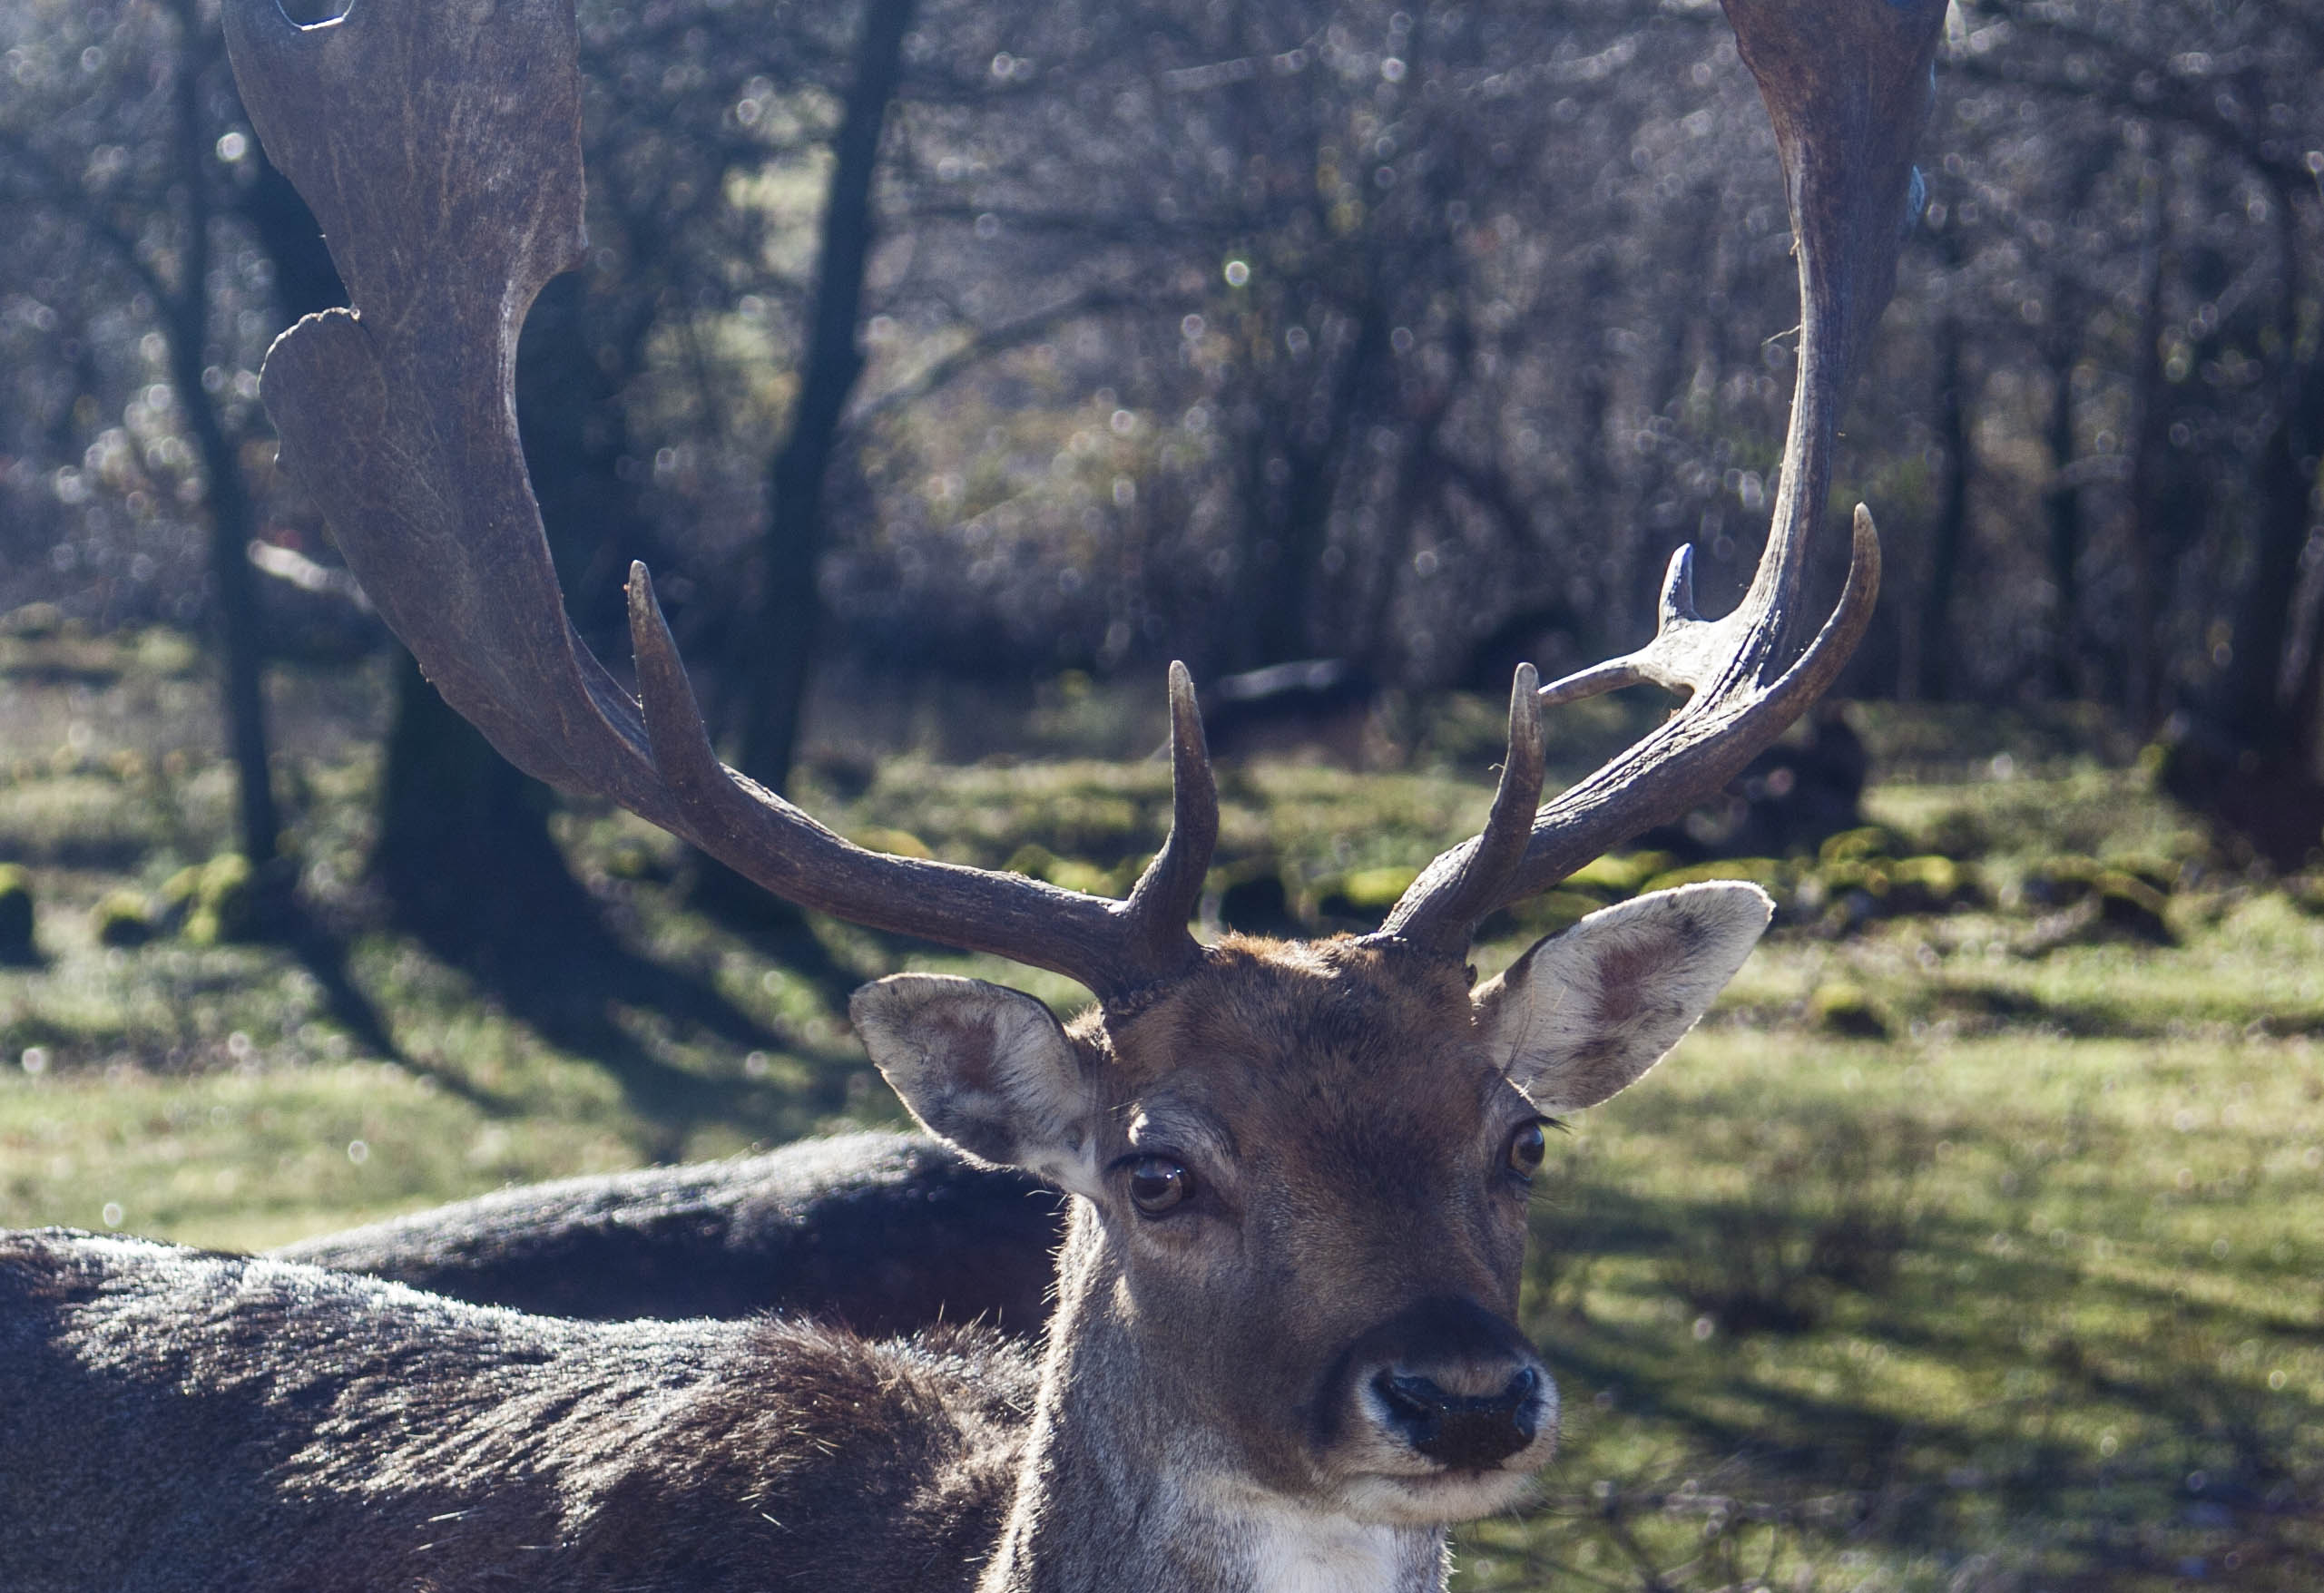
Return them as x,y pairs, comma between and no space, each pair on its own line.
1964,1249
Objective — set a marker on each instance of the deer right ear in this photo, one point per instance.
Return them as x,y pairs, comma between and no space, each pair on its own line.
986,1068
1585,1013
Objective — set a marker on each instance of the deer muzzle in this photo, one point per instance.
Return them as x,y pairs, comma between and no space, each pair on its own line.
1446,1386
1462,1433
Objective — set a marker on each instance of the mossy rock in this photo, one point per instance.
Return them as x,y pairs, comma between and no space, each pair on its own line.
1873,877
1551,913
1616,876
1847,1011
633,859
1932,884
223,905
16,915
904,843
1766,873
120,918
1032,860
1856,845
1363,896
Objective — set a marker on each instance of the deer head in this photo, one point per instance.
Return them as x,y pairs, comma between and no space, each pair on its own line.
1302,1169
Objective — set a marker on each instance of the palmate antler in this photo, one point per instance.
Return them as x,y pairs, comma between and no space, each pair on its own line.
1848,85
439,146
438,143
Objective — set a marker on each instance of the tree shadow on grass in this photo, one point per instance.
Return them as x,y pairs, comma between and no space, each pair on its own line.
467,864
776,930
2213,1468
548,959
323,955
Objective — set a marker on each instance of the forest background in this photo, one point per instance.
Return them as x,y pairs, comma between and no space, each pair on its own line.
954,365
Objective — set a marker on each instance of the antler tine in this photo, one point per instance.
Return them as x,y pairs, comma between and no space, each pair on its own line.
1848,85
1683,657
1166,893
1461,886
438,142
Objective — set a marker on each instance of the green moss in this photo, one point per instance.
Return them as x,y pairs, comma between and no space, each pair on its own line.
1376,889
1547,913
1856,846
1764,871
1848,1011
223,904
1619,874
120,918
898,842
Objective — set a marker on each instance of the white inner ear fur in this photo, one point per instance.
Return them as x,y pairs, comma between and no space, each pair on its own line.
987,1068
1585,1013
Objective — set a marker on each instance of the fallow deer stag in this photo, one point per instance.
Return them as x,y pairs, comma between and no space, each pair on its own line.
1284,1354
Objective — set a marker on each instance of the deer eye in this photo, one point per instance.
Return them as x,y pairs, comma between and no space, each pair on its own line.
1527,1146
1157,1183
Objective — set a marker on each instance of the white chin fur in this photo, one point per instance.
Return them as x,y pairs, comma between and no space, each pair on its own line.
1437,1498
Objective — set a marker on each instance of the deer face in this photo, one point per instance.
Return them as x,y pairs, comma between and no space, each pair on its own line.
1309,1166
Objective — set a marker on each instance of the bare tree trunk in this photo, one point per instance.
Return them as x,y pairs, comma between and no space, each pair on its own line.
2246,758
233,521
2150,434
463,850
1933,675
233,518
2251,705
575,433
2062,508
1282,577
778,646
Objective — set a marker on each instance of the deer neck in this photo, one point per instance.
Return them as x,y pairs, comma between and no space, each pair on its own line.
1115,1494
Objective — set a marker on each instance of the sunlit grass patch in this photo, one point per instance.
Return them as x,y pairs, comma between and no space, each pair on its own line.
2091,1359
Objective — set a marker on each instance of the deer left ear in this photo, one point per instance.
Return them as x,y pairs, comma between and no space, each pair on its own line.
987,1068
1585,1013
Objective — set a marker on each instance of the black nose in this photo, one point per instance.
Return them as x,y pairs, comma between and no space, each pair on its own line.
1466,1433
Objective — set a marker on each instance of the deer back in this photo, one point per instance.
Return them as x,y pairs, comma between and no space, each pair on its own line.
880,1233
174,1421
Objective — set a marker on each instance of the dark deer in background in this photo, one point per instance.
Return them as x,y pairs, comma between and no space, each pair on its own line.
1284,1354
1314,706
878,1233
